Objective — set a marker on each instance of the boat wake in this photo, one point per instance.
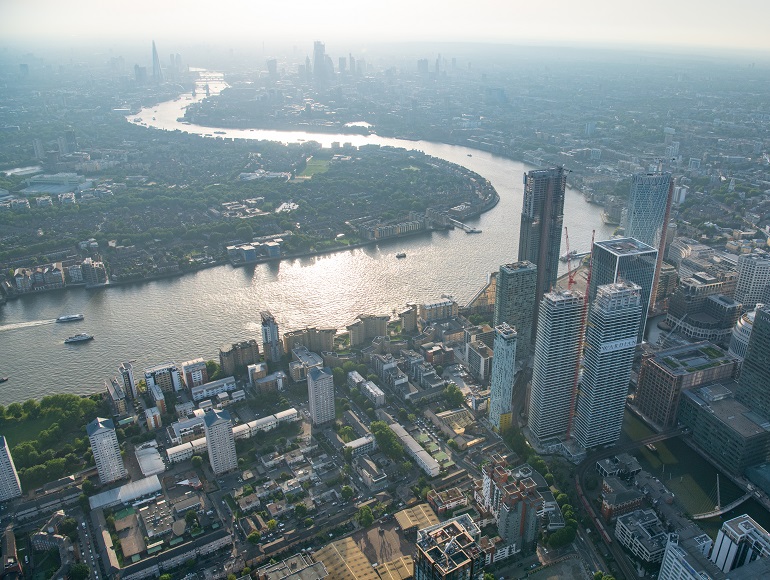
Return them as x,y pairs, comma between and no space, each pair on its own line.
30,324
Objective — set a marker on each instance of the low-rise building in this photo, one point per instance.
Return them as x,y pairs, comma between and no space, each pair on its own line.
642,534
213,388
447,500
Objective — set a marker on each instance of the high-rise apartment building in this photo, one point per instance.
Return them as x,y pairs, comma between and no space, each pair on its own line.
557,354
625,260
126,371
106,450
10,486
195,373
515,303
647,207
272,346
754,383
448,551
542,220
312,338
753,279
366,327
503,377
165,375
220,441
320,392
238,356
611,334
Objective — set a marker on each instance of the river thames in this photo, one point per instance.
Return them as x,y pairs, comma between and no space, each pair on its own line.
191,316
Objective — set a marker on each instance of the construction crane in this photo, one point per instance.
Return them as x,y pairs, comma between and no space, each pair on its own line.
570,272
581,338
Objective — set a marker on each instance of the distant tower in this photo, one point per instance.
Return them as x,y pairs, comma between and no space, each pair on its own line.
515,297
611,333
647,207
753,279
319,62
625,259
272,345
320,392
352,61
106,450
272,69
37,144
557,354
157,71
503,376
754,383
542,219
10,486
220,441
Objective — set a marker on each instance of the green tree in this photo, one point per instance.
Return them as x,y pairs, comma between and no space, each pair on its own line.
190,518
365,517
308,523
165,577
339,376
197,461
271,525
562,537
347,492
300,510
254,537
79,571
453,395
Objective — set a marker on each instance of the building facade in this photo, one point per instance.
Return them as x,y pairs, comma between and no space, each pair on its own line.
165,375
220,441
238,356
557,353
366,327
647,207
320,392
10,486
515,303
272,346
753,279
503,378
195,373
106,450
611,334
447,551
754,383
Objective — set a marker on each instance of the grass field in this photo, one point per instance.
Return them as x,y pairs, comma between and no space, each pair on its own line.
28,430
315,166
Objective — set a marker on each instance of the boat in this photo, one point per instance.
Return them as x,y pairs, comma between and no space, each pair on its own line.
3,379
651,447
469,155
401,255
472,231
82,337
70,318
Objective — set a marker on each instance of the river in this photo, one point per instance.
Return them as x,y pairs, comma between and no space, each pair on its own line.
192,316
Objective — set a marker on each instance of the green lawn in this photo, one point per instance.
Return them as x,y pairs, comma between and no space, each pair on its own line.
27,430
315,166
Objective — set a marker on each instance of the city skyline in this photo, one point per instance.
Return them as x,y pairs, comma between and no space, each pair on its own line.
686,24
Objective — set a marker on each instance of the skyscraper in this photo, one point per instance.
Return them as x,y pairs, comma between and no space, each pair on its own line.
10,486
319,62
106,450
611,334
557,353
753,279
320,392
740,541
754,383
272,346
126,371
503,376
542,219
220,441
157,71
647,207
515,301
625,259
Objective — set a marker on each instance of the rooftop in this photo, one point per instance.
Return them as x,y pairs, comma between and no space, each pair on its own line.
625,246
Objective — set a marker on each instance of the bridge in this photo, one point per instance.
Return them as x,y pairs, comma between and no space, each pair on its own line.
468,229
718,511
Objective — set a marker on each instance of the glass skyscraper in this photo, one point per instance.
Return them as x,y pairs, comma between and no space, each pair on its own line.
515,303
611,331
625,259
754,383
503,377
647,207
542,220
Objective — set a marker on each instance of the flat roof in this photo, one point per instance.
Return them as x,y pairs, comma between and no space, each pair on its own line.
625,246
344,559
419,516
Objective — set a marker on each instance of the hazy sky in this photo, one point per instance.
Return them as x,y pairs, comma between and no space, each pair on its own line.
706,23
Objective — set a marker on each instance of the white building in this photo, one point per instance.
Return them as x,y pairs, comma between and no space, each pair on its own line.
753,278
503,377
165,375
106,450
320,392
642,533
220,441
611,335
213,388
740,541
195,372
421,457
557,350
10,486
373,393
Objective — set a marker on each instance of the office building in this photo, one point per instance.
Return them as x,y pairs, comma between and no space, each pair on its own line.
557,354
625,260
10,486
106,450
195,373
647,204
479,358
157,71
272,347
739,341
611,335
740,541
665,374
320,393
515,303
220,441
503,377
126,371
165,375
754,383
753,279
448,551
542,220
235,358
642,533
366,327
